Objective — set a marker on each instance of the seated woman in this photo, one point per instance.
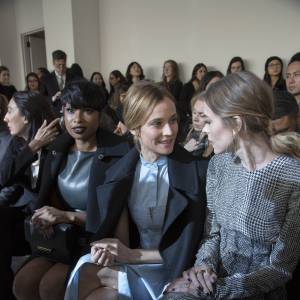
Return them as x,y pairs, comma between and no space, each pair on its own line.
251,246
170,78
33,83
156,212
236,64
29,118
273,73
115,79
68,182
6,88
97,78
189,89
134,73
196,141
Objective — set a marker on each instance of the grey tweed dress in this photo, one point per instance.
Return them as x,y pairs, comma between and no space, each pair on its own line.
252,229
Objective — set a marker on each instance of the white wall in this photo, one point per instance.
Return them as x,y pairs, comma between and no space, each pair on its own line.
17,17
58,23
103,35
209,31
86,34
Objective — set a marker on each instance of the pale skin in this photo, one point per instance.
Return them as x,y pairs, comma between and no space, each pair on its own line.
99,280
255,154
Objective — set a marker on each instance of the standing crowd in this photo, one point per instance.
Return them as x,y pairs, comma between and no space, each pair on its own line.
151,190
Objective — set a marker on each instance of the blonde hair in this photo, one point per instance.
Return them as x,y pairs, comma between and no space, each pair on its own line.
244,94
140,101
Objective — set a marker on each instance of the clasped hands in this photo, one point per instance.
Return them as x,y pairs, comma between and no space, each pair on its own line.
45,217
108,251
197,281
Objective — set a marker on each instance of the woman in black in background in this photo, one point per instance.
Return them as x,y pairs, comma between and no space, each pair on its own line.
134,72
97,78
68,182
236,64
6,88
273,73
189,89
170,78
30,122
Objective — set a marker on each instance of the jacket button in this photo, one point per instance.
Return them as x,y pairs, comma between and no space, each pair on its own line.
53,152
100,156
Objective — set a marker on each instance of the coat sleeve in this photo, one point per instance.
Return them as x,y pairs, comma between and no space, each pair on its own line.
17,159
283,260
209,248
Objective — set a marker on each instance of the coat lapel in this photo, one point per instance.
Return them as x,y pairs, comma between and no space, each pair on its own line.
183,181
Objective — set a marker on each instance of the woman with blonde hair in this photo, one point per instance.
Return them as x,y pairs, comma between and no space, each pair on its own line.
251,244
155,212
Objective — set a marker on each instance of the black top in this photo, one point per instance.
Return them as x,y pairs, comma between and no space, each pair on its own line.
7,90
187,93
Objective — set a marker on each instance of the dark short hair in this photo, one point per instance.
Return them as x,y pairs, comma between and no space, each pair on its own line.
285,104
234,60
3,68
59,54
35,108
83,93
295,57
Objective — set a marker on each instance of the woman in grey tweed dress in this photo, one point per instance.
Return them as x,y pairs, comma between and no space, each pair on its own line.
253,197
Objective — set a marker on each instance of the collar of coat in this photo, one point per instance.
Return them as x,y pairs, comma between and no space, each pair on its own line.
182,169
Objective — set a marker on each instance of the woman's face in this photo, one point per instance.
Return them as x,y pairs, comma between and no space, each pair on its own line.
200,73
82,124
157,136
135,70
168,70
33,84
219,135
97,79
4,77
198,116
16,122
236,67
274,67
113,80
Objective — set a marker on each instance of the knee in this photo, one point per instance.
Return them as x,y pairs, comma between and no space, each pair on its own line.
52,286
23,286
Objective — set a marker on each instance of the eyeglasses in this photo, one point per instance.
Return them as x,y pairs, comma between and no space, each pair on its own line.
274,65
293,75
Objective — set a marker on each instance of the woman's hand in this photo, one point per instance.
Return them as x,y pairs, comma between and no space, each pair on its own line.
48,215
121,129
182,285
45,135
202,277
111,250
102,257
191,145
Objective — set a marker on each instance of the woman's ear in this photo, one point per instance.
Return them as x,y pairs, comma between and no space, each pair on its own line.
239,124
135,132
